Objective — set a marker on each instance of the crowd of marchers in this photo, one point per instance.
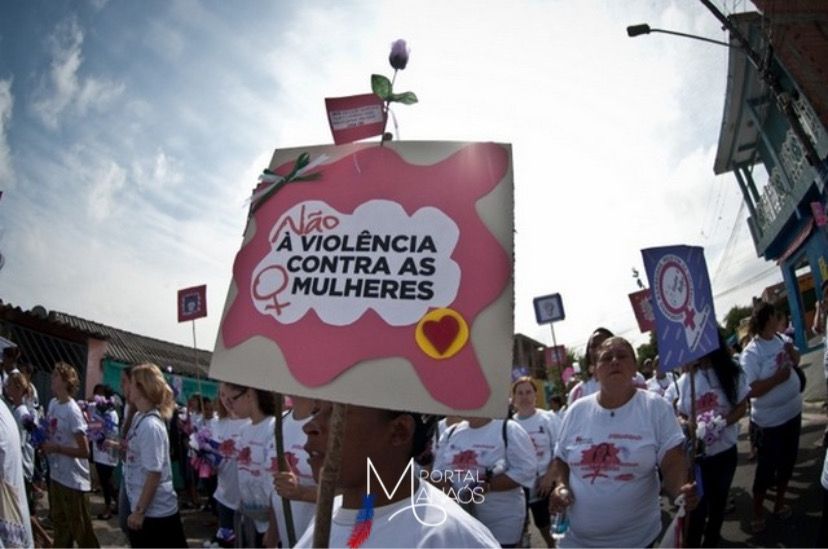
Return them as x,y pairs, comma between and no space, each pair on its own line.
622,442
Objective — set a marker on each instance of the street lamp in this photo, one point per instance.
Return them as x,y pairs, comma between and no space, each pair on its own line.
638,30
782,96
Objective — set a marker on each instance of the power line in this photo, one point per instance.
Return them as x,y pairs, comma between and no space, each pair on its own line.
718,210
713,210
743,283
731,242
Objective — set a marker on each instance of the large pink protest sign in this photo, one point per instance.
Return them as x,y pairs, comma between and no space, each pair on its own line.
384,281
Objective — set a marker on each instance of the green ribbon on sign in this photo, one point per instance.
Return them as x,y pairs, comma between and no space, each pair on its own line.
303,163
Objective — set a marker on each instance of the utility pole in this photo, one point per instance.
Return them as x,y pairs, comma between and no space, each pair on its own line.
783,98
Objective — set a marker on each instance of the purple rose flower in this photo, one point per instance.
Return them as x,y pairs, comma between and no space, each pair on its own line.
399,54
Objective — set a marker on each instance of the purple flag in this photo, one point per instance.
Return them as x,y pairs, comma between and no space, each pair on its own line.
683,304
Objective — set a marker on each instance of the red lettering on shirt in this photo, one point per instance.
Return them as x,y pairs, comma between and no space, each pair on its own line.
244,456
624,436
598,458
707,402
465,460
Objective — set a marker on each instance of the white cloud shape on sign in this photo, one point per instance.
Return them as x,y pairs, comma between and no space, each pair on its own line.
341,265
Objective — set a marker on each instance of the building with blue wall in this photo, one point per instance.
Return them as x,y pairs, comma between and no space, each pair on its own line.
783,187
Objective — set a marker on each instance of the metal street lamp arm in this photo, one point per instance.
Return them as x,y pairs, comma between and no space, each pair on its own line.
636,30
694,37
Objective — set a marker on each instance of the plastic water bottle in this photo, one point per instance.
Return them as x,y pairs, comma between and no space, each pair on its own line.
560,522
560,525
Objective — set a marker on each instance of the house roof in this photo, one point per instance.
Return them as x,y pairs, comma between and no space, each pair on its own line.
739,136
121,345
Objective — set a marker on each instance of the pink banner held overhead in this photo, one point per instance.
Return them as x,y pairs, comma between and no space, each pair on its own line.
192,303
642,305
556,356
355,117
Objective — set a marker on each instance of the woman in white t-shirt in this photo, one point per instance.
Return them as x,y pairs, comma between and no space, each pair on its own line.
497,456
154,520
589,385
775,408
442,426
128,413
255,462
393,442
721,400
17,387
226,432
105,451
297,484
662,382
543,429
611,447
17,390
15,528
68,453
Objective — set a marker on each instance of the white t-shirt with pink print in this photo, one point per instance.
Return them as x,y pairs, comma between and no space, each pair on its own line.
760,359
711,398
613,457
256,460
297,458
543,430
476,450
65,422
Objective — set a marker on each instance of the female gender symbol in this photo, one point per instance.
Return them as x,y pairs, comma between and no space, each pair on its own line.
675,290
266,285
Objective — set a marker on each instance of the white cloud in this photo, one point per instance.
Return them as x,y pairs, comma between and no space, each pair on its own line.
6,107
165,40
106,182
98,4
157,173
96,94
62,89
83,180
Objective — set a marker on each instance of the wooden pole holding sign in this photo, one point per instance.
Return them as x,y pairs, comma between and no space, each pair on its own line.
198,370
554,341
329,476
693,426
555,350
693,440
283,467
192,304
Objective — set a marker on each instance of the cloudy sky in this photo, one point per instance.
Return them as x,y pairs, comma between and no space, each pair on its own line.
132,132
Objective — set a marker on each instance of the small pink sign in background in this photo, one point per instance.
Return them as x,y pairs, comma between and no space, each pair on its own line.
642,305
192,303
